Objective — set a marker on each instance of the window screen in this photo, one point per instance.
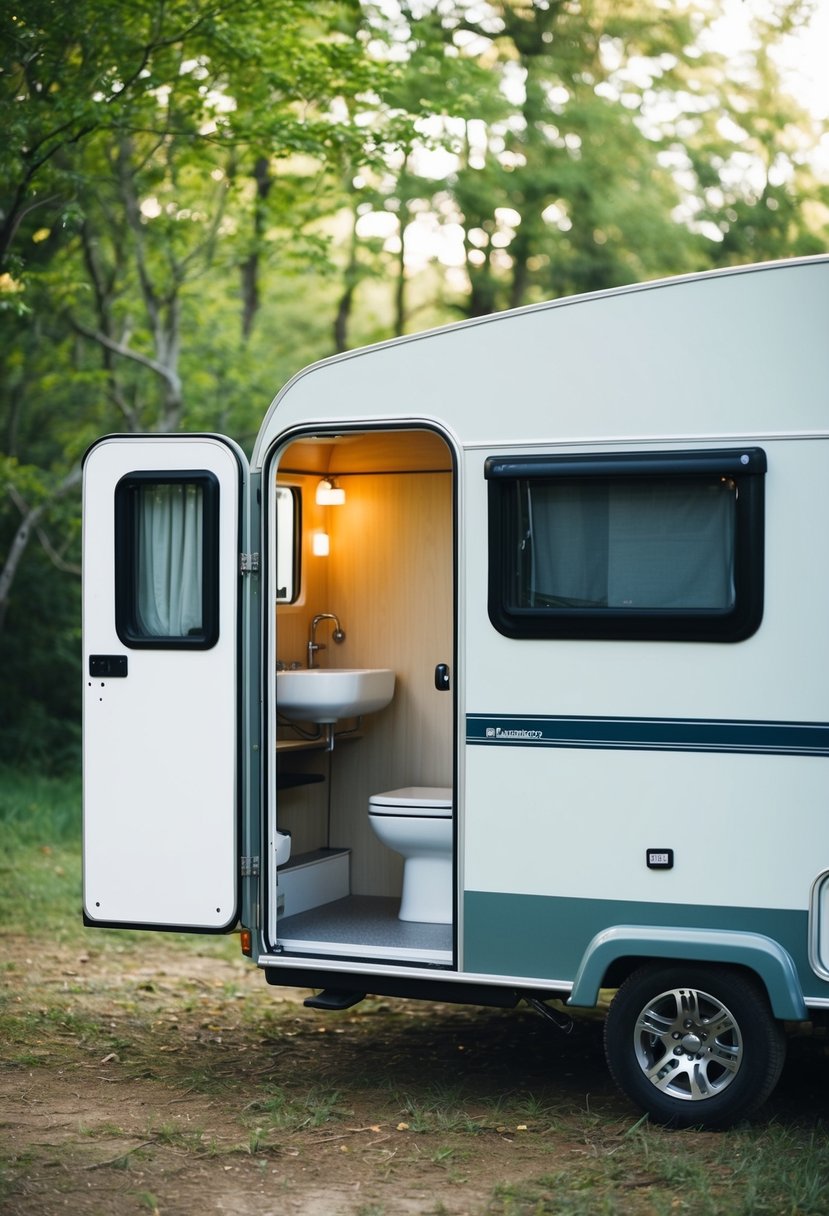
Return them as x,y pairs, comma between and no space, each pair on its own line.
640,546
166,560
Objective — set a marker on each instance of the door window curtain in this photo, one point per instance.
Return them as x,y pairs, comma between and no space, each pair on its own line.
170,560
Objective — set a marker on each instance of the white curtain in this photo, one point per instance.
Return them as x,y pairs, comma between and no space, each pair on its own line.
169,541
637,544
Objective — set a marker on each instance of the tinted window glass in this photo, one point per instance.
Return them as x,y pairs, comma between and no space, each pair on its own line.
629,544
647,545
166,564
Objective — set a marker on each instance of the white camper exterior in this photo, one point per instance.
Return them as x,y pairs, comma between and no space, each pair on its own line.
582,536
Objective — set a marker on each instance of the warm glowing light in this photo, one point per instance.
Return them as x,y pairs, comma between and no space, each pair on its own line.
329,494
321,544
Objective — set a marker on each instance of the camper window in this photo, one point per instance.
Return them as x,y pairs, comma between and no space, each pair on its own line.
287,544
166,560
661,546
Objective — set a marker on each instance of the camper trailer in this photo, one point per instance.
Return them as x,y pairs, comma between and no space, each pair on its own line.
496,673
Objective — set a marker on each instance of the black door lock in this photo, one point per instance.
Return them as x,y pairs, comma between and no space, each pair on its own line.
108,666
442,677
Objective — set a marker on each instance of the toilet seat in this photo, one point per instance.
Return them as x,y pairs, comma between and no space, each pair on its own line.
415,801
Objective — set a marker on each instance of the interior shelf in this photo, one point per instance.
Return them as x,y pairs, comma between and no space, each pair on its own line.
291,781
300,745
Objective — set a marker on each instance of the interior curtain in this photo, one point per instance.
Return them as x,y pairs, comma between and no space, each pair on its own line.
169,552
632,544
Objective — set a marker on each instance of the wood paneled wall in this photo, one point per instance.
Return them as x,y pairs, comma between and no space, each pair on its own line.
293,619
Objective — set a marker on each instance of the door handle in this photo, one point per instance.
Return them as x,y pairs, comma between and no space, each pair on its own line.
108,666
442,677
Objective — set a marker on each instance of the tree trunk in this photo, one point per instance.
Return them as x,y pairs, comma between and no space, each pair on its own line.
400,286
250,267
23,535
351,278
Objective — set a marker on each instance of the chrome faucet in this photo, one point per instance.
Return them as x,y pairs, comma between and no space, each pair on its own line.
313,645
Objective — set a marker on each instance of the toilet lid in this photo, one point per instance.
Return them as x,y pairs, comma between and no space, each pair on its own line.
413,800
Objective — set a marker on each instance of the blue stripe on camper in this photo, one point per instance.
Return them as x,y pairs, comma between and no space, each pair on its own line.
650,734
544,937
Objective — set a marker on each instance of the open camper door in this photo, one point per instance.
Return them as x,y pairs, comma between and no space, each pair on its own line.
164,524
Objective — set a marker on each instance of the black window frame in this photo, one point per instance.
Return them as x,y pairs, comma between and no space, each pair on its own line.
745,466
296,541
126,559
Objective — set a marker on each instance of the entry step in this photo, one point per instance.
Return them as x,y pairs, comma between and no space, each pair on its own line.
334,998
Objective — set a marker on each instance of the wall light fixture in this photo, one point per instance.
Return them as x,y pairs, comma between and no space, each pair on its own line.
329,494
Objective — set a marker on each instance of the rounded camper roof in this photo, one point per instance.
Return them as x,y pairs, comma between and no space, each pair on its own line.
732,352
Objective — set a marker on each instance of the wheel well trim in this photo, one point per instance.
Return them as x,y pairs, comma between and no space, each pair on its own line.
771,963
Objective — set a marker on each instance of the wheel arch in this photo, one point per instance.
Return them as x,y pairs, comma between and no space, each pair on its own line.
617,951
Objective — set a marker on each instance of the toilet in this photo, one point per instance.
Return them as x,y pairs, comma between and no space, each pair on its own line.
417,823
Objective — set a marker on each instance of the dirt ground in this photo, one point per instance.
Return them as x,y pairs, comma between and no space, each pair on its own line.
167,1079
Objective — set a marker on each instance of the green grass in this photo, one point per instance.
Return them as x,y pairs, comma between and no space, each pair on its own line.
40,850
282,1111
382,1084
774,1169
440,1110
39,810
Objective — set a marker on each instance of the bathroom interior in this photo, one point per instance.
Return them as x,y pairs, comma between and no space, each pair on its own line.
372,571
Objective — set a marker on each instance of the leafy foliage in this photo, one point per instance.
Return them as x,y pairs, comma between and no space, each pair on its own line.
197,199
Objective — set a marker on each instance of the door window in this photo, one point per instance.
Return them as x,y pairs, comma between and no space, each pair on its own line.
166,560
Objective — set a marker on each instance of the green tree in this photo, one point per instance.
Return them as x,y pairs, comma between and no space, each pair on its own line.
189,196
603,136
757,193
162,158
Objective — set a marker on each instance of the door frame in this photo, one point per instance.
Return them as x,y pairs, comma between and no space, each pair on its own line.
270,465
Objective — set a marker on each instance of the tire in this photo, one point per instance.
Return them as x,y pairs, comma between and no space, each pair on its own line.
694,1046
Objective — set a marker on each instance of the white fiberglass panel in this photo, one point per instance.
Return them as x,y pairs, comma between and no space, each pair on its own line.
160,730
745,830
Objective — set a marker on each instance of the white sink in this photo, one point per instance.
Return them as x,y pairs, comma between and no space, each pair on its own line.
324,694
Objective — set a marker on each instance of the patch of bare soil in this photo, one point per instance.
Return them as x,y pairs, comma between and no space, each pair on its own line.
165,1080
158,1079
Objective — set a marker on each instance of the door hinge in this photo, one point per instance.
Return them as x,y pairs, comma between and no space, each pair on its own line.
250,867
249,563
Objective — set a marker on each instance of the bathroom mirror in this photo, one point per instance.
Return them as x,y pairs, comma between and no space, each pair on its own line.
287,544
